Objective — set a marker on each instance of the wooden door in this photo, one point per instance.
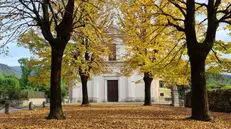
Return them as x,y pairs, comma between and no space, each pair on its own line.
112,90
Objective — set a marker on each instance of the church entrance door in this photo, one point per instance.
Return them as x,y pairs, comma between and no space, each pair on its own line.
112,90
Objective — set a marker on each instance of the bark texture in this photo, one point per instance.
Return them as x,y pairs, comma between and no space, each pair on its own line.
56,111
200,107
198,52
84,80
58,44
147,89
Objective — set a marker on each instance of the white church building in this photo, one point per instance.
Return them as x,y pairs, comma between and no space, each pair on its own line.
114,87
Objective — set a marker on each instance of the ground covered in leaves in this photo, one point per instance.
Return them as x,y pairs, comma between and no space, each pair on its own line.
114,116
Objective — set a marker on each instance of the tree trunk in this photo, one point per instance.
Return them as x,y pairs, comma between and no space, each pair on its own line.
147,80
56,111
84,79
200,108
175,96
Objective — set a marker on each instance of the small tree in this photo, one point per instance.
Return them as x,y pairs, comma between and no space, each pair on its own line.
146,43
88,58
9,88
90,45
26,72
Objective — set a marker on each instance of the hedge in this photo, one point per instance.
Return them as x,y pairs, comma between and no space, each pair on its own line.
219,100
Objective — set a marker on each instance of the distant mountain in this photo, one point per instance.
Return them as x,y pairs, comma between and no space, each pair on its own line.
228,76
17,69
7,70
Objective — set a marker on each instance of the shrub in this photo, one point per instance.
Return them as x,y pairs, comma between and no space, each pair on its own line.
9,88
2,77
11,83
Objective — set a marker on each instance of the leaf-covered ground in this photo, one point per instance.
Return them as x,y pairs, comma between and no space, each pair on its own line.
114,116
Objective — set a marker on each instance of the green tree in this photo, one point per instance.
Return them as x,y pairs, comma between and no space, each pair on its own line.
2,77
26,68
9,88
217,81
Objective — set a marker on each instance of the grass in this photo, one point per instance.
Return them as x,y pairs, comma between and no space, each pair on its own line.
114,116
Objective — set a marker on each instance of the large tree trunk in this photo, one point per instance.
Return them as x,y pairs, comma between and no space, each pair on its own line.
56,111
147,80
200,108
84,80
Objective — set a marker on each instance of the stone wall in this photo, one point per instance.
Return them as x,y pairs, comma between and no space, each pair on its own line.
35,101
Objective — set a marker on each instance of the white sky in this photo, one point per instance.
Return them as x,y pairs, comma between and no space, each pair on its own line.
15,53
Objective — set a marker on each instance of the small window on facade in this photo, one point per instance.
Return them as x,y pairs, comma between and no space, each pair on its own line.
161,84
112,56
161,94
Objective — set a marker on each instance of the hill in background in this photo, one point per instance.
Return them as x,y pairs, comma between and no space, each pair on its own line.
228,76
17,69
7,70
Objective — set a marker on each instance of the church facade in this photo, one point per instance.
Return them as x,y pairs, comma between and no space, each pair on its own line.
114,87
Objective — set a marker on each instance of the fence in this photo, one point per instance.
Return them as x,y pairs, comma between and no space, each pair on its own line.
30,106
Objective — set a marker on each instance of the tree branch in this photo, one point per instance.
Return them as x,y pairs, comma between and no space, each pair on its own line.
182,9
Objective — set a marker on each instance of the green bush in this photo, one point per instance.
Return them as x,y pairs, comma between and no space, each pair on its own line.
9,88
11,83
2,77
226,88
220,100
